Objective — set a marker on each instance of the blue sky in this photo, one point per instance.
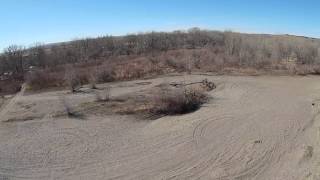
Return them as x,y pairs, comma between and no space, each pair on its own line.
25,22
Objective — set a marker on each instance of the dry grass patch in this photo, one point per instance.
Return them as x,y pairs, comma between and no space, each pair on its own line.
169,100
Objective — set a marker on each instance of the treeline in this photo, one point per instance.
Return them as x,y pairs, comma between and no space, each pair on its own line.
234,49
17,58
113,58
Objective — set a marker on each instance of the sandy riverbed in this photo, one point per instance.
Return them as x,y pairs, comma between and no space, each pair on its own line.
253,128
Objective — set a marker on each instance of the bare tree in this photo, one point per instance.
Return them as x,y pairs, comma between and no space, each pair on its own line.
15,55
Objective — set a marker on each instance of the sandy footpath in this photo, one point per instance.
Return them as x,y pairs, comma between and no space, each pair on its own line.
253,128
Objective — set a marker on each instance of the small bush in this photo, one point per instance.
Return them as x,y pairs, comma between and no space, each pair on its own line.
44,79
179,102
72,79
105,74
93,79
69,110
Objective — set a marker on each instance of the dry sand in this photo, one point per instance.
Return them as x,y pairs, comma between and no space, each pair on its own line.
253,128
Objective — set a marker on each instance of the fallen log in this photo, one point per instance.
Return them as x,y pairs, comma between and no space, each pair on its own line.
205,83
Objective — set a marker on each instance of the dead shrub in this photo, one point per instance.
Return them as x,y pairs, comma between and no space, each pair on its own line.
1,101
93,79
179,101
82,75
177,65
105,74
44,79
70,112
104,95
316,70
72,79
135,69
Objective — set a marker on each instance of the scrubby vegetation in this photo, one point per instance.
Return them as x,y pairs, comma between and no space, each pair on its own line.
69,110
111,58
161,100
179,101
103,95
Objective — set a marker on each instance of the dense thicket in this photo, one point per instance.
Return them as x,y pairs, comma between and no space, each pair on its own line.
235,48
179,50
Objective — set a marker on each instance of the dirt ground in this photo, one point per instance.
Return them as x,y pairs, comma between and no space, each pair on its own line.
263,127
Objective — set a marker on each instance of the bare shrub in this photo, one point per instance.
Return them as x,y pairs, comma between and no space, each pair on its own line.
82,75
135,69
71,79
93,79
179,101
36,80
316,70
104,95
105,73
44,79
1,101
67,107
171,63
178,65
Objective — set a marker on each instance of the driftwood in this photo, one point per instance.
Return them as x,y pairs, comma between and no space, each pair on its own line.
205,83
